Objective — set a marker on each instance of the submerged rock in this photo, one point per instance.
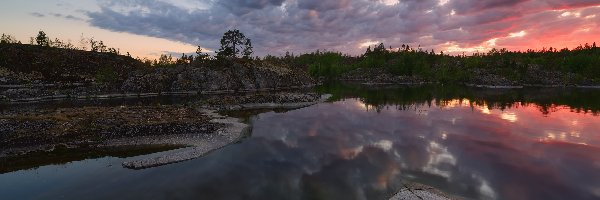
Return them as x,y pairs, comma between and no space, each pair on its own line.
284,100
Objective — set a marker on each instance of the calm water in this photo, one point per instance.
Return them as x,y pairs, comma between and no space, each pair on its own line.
473,143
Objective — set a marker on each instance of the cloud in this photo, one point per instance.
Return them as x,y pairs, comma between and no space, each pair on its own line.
70,17
321,6
37,14
277,26
469,6
240,7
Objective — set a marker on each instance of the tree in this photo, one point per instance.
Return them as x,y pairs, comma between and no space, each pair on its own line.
42,39
235,44
201,56
184,59
114,51
247,53
379,48
10,39
165,60
98,46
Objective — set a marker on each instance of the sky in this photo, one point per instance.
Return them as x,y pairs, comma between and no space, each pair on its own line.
148,28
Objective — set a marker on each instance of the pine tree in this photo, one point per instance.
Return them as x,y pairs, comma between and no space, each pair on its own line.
42,39
235,44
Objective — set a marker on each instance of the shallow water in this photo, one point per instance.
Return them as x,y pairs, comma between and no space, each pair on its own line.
364,144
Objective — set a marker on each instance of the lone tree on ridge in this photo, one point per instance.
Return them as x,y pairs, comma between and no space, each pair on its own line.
235,44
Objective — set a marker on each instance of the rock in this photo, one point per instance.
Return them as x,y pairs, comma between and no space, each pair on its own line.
415,191
237,77
78,125
232,131
262,101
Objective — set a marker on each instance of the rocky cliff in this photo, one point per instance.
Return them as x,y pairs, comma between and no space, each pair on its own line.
34,73
236,76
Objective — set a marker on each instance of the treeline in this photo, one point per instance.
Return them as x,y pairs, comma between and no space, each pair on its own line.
583,61
234,46
91,44
43,40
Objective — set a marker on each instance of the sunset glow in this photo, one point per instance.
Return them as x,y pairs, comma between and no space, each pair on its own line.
151,28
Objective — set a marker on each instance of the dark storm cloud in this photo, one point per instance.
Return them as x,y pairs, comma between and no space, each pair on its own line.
320,5
277,26
468,6
240,7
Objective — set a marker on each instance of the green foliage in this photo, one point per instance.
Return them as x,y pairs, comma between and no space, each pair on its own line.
328,64
235,44
582,62
165,61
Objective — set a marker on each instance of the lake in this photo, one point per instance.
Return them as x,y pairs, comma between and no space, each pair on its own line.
365,143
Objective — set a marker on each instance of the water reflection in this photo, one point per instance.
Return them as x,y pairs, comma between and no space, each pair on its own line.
365,145
464,150
546,100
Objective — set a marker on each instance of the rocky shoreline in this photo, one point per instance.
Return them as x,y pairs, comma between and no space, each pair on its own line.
232,131
59,97
196,128
33,75
181,80
24,132
30,73
533,77
284,100
380,76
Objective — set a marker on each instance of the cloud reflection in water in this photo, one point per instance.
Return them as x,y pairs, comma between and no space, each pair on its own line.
476,153
343,150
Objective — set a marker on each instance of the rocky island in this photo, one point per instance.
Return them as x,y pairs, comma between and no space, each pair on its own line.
31,74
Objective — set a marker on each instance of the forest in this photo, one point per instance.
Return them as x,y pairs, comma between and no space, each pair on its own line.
580,63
